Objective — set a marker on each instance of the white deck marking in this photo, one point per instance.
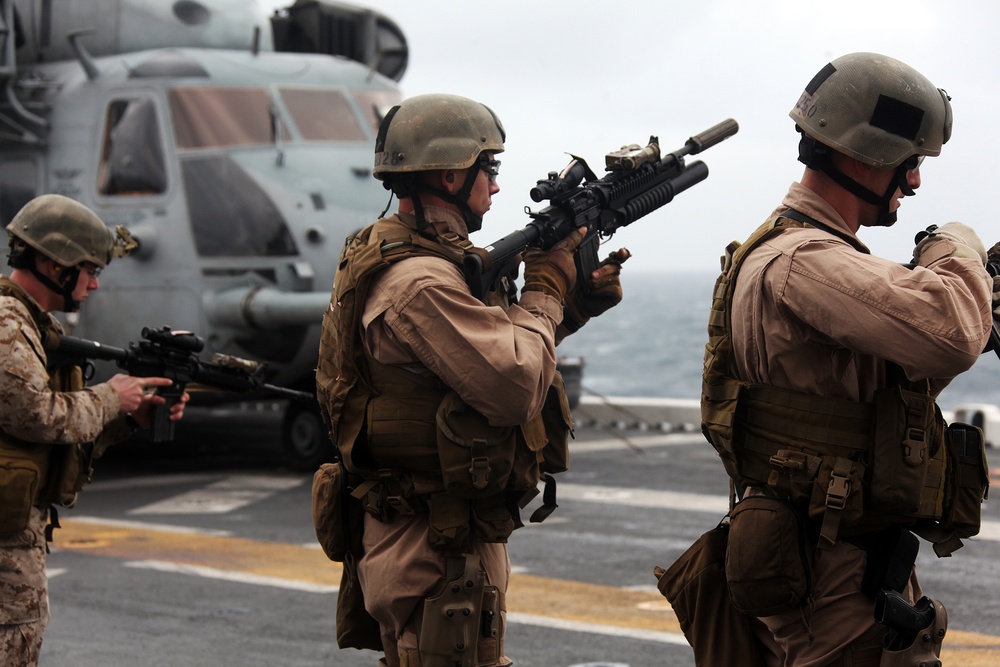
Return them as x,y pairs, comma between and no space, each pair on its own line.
223,496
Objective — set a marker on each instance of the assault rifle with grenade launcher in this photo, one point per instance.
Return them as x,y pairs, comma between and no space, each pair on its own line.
172,355
638,182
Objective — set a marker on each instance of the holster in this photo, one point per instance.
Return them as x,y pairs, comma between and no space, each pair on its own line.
452,616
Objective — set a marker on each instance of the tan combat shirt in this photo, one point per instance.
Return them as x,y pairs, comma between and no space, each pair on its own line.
420,314
29,409
813,314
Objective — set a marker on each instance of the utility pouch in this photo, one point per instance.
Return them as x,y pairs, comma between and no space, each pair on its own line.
767,560
451,616
902,452
335,512
968,479
558,420
695,585
20,477
74,468
355,626
476,458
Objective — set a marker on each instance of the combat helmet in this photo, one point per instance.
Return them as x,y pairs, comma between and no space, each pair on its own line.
435,132
64,230
875,109
68,233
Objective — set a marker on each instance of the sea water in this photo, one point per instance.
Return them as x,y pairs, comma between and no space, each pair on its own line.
652,344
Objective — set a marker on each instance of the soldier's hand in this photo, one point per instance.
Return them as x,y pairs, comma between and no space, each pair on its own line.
145,413
952,239
552,271
605,292
138,397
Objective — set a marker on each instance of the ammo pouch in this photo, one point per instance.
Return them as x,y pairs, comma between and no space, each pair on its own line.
20,482
907,459
476,458
968,480
767,559
695,585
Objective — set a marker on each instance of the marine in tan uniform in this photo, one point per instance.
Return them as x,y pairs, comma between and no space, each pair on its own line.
835,356
411,364
51,425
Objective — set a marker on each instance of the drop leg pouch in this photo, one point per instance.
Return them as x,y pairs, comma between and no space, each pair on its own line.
696,587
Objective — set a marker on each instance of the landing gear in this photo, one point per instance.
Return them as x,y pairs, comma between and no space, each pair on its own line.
304,437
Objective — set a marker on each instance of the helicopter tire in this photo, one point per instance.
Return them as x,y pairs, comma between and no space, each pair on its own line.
304,439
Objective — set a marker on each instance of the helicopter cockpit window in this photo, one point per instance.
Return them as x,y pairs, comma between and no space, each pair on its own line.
18,185
132,157
375,104
214,117
322,114
230,215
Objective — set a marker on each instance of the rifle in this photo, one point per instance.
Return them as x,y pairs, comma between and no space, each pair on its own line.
638,183
172,355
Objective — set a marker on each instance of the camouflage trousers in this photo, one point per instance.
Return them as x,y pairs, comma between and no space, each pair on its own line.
24,595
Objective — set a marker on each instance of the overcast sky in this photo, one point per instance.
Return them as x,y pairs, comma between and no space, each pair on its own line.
585,77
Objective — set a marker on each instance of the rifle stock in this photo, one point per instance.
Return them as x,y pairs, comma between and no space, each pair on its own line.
638,182
172,355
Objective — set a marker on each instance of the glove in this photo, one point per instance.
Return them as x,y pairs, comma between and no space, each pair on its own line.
552,271
952,239
605,292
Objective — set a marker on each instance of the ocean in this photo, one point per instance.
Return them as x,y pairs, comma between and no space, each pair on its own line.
652,344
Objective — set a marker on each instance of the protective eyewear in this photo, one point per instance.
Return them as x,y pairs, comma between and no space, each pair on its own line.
92,269
491,167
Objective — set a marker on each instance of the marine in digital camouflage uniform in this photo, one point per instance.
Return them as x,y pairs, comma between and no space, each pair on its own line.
51,425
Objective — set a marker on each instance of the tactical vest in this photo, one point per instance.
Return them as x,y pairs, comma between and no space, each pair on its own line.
40,474
857,467
410,442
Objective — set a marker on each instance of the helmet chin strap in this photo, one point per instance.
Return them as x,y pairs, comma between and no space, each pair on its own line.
817,156
65,290
460,199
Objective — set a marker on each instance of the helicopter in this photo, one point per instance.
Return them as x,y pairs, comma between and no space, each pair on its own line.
233,144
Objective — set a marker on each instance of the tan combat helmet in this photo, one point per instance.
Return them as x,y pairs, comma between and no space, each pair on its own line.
429,132
434,132
68,233
875,109
64,230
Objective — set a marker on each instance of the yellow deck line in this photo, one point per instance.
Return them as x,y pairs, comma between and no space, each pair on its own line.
528,594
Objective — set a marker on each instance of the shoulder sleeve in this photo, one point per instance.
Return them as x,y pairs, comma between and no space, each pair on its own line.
29,409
